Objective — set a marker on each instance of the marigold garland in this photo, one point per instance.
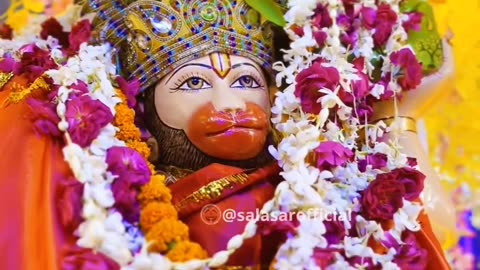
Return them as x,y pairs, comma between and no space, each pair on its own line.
141,148
185,251
155,190
165,233
158,217
155,212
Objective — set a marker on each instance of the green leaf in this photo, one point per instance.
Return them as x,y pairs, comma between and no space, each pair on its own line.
269,10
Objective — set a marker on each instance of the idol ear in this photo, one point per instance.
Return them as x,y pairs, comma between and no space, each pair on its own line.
154,153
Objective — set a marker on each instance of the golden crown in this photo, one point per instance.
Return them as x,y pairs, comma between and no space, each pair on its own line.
155,37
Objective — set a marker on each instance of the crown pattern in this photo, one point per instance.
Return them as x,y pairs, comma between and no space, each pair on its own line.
155,37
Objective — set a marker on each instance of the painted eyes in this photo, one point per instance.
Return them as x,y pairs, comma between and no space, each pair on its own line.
246,81
196,83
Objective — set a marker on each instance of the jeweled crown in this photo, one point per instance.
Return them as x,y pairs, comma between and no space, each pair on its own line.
155,37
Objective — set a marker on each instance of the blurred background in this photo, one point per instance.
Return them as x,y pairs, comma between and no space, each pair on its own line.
451,128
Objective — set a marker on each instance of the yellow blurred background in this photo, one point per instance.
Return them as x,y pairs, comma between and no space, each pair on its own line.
453,125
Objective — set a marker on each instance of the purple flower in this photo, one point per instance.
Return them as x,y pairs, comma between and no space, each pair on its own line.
322,17
412,162
382,34
344,21
52,27
35,61
349,39
377,161
76,258
410,71
332,154
79,89
324,257
388,93
414,22
81,33
130,89
369,16
133,172
320,37
409,254
361,87
69,203
86,117
125,194
128,165
6,32
310,81
8,64
412,180
363,112
383,197
44,117
364,263
335,231
384,22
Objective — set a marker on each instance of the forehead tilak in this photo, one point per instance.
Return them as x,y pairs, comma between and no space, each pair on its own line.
221,64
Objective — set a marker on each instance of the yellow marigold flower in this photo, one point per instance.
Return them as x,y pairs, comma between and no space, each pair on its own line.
123,115
152,168
186,251
164,233
154,212
140,147
155,190
121,95
129,133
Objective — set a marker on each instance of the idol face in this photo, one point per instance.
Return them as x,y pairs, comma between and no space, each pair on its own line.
220,102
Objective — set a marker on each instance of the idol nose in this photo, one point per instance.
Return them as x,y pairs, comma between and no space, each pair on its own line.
228,100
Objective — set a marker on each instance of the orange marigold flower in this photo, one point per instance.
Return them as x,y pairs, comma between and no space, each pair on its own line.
121,95
155,190
123,115
154,212
152,168
164,233
186,251
129,133
141,147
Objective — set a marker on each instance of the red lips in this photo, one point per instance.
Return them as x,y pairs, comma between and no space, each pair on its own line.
232,135
222,122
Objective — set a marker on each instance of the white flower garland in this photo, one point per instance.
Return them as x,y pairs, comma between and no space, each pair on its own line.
304,184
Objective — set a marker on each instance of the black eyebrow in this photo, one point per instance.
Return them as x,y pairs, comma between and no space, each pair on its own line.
245,64
186,65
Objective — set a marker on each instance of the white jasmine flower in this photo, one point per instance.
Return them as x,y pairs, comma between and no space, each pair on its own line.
406,217
105,140
377,90
101,193
92,233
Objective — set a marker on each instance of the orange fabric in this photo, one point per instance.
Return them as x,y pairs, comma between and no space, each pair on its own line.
30,168
426,239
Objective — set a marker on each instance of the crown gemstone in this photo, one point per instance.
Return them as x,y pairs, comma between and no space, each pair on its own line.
162,26
209,13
